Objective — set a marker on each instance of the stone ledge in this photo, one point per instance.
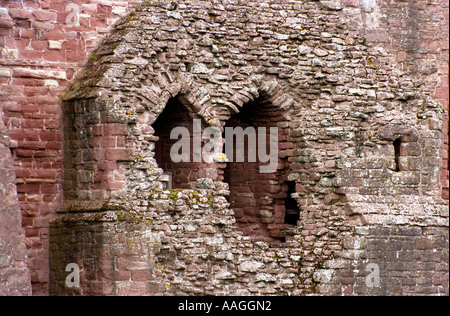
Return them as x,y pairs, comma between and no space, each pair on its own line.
401,210
101,216
87,206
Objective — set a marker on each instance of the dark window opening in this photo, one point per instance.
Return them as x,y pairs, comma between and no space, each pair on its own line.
177,175
258,199
292,215
247,185
397,147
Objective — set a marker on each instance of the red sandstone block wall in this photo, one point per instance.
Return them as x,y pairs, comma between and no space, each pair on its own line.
42,47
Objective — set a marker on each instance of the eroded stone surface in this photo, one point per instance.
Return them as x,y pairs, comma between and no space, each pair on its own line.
14,272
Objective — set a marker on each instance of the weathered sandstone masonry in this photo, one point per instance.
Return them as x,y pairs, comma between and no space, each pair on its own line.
357,89
14,272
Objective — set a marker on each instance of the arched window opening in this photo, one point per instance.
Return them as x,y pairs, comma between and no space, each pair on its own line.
258,196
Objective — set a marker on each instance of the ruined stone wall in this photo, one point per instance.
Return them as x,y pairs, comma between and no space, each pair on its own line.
366,141
330,84
42,48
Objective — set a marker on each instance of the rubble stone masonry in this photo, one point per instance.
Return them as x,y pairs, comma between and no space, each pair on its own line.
358,89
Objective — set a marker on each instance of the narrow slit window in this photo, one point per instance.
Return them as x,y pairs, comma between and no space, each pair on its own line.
292,211
397,146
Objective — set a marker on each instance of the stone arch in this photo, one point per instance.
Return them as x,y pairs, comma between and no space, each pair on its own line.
185,95
258,86
212,112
